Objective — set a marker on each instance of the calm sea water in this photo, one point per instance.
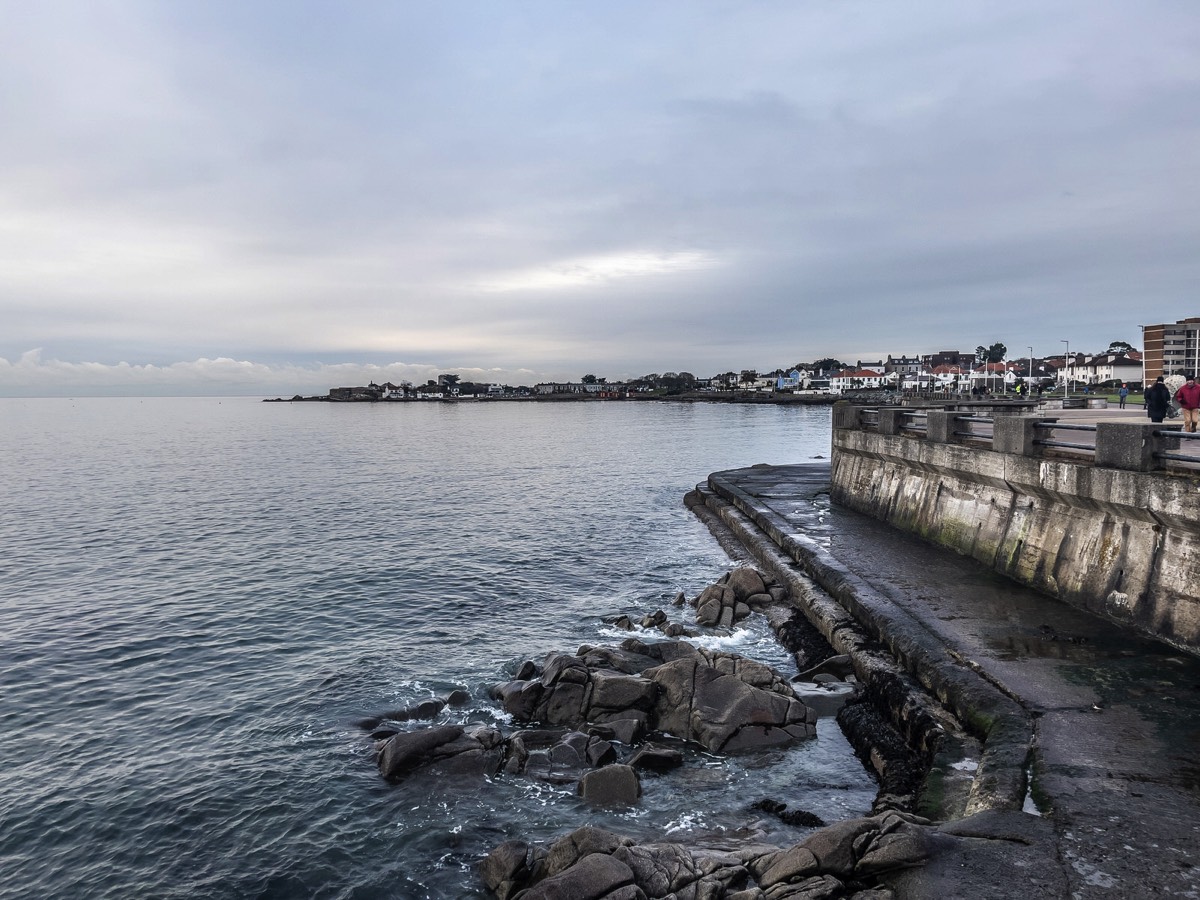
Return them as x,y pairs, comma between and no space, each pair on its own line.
200,596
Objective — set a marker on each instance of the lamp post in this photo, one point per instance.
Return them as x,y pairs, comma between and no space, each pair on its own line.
1066,368
1029,383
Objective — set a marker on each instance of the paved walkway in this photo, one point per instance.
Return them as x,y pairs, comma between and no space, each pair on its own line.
1114,718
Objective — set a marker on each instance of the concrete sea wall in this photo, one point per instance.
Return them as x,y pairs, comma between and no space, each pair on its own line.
1100,535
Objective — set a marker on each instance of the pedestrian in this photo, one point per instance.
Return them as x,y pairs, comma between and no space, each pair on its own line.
1188,397
1122,394
1158,398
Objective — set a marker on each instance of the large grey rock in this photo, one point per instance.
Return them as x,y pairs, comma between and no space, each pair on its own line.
833,847
898,843
557,756
563,703
656,759
595,877
817,887
746,582
452,749
581,842
622,692
786,866
562,668
699,703
615,785
507,868
409,750
659,869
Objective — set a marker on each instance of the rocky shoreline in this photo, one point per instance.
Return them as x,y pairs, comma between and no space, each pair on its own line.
603,717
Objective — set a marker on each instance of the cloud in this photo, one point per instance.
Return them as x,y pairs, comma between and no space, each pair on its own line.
598,271
616,188
32,376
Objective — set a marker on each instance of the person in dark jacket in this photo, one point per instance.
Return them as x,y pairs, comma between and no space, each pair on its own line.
1158,399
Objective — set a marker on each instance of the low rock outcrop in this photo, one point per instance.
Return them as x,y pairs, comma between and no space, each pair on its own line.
476,750
591,708
844,860
722,701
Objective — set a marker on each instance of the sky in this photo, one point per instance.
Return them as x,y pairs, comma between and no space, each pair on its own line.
282,197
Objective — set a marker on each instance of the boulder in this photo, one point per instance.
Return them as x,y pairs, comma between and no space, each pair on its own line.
581,842
404,752
626,730
656,758
817,887
730,601
557,756
722,712
615,785
595,877
451,748
527,671
746,582
628,725
622,692
507,868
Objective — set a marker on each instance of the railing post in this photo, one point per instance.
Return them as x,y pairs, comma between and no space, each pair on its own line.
1126,445
891,420
1014,434
939,426
847,415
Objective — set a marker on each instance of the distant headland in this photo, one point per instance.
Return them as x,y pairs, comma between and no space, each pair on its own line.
787,388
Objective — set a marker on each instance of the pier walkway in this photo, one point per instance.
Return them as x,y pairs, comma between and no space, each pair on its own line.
1111,720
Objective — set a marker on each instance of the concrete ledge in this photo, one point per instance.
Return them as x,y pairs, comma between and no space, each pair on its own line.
1001,723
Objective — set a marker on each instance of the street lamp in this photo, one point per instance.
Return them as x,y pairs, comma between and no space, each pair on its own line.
1066,364
1029,383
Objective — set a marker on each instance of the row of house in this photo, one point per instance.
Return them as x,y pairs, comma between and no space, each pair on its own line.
439,390
1170,350
905,373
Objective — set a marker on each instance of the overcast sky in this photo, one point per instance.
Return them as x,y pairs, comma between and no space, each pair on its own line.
274,197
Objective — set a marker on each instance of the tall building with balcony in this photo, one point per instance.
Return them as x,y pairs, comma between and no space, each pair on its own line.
1171,349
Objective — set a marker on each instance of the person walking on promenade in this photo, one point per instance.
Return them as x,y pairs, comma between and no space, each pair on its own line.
1122,394
1188,397
1158,398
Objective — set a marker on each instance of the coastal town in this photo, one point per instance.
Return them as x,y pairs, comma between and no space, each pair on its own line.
985,370
1171,350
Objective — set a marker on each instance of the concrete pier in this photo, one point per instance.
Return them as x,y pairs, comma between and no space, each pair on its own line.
1065,762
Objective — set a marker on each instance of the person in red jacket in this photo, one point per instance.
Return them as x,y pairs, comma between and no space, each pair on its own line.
1188,397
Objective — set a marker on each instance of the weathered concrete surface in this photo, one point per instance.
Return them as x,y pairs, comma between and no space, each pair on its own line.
1112,720
1120,544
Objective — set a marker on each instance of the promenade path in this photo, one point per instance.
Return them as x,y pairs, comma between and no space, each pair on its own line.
1114,718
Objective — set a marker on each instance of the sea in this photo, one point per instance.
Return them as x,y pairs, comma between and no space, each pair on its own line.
201,596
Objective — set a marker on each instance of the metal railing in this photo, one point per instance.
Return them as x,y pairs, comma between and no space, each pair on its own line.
971,433
1050,437
1180,435
917,422
1066,445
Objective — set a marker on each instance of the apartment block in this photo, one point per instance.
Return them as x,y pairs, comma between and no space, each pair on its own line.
1171,349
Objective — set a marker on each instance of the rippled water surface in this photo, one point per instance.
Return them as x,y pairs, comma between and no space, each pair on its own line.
200,596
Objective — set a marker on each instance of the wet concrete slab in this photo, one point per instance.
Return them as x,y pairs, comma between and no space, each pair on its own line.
1116,717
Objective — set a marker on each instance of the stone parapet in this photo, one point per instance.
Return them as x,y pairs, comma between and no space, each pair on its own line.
1113,538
